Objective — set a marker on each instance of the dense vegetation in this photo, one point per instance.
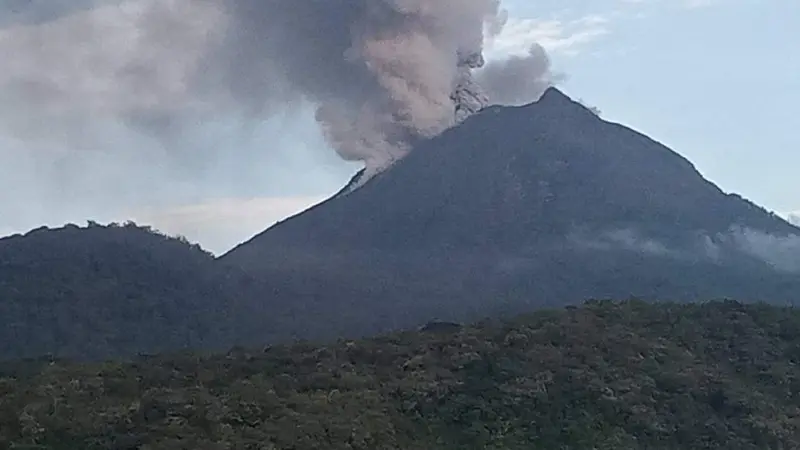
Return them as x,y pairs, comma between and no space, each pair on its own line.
106,291
607,375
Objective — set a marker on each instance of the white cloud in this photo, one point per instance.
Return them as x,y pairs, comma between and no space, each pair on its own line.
781,252
692,4
556,36
794,217
683,4
218,225
623,239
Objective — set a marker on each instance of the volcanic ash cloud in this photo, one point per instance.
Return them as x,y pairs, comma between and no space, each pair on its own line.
381,74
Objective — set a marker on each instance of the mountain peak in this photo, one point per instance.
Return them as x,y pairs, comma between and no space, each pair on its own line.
541,170
553,96
554,102
534,205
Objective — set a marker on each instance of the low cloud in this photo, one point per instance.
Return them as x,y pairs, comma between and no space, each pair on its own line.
780,252
219,225
623,239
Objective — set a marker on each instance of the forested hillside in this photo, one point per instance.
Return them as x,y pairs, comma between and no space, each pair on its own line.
607,375
118,290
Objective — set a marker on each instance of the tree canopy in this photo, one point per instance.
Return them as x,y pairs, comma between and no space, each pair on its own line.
607,375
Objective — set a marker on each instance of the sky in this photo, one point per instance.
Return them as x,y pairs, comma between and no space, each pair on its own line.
712,79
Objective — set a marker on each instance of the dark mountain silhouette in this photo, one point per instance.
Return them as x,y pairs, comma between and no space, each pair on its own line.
514,209
510,176
102,291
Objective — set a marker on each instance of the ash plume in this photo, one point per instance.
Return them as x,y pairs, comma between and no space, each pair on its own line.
518,80
380,73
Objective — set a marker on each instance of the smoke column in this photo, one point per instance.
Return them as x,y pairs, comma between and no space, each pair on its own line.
380,73
517,80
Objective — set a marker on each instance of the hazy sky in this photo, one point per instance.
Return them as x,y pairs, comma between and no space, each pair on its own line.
715,80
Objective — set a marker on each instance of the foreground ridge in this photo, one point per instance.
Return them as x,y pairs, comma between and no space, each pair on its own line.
603,376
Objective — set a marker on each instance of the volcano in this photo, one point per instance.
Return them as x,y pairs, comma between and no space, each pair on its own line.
518,208
514,209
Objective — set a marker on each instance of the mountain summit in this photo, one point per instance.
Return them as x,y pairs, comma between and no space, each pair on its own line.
513,177
520,207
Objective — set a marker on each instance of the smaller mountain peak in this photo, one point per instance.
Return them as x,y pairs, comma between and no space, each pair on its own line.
554,99
554,96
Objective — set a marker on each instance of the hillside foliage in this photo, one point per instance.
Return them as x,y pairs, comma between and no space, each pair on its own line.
116,290
607,375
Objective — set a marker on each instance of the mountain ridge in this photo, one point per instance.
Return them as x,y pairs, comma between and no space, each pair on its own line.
558,109
109,291
513,210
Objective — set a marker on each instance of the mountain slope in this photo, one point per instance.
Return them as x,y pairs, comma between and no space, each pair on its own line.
516,208
510,175
604,376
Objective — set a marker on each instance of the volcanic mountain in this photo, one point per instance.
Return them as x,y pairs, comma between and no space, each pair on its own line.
512,210
519,207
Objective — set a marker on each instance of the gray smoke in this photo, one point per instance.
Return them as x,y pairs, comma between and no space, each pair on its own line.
15,12
380,73
519,80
